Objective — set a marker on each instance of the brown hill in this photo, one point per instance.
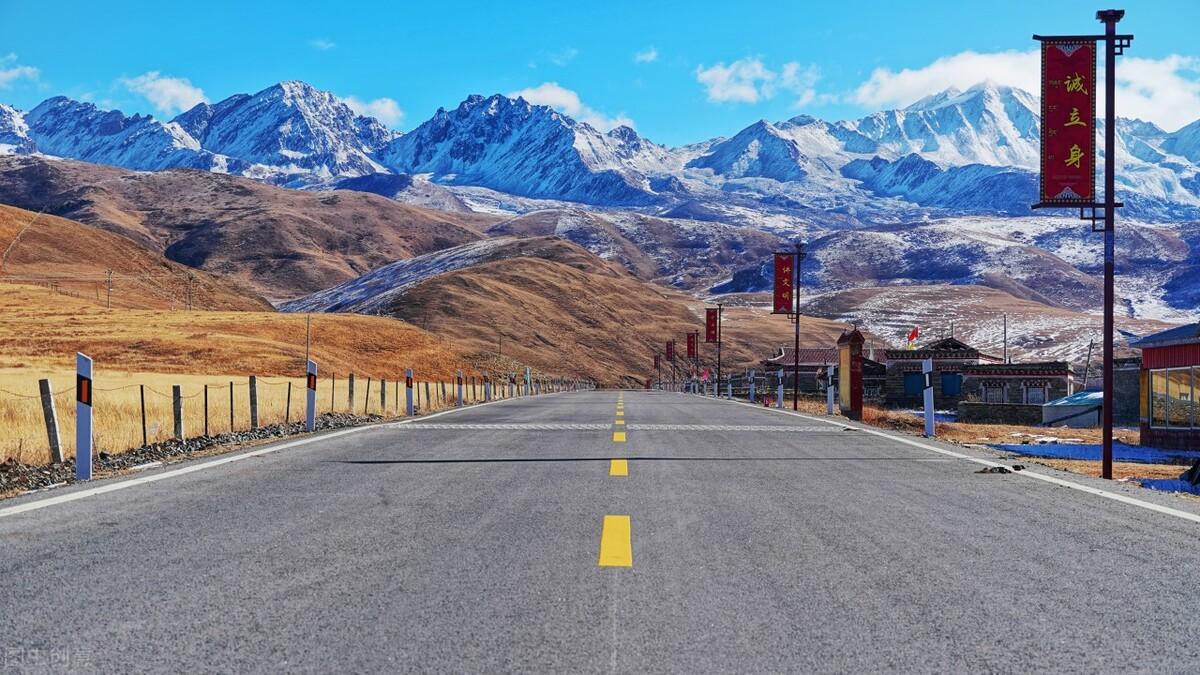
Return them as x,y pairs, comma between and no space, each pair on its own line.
75,259
560,308
282,243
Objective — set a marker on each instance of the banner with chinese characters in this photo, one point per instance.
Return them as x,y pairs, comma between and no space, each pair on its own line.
691,345
1068,122
671,350
785,272
710,325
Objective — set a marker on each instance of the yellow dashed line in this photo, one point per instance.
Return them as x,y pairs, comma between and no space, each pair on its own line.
618,467
618,437
616,546
620,423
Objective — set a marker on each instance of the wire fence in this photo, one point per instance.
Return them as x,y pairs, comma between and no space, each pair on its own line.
131,410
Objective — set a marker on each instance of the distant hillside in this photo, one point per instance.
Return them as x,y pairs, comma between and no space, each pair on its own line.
74,259
282,243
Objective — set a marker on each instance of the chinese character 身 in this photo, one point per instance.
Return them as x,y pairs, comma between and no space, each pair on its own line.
1076,156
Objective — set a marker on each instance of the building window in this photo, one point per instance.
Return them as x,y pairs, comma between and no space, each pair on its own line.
914,384
1173,394
951,384
993,392
1035,395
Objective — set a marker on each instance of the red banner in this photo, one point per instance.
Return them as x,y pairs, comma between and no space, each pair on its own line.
670,350
785,273
1068,122
691,345
710,325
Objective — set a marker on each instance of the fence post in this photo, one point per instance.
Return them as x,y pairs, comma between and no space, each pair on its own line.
51,418
253,402
177,411
231,407
350,395
142,395
332,392
408,392
287,406
382,396
459,402
367,398
206,410
428,400
310,408
83,417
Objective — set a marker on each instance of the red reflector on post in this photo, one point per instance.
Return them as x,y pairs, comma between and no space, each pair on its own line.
83,389
312,381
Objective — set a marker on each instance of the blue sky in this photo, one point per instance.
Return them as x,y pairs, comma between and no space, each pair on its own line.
680,72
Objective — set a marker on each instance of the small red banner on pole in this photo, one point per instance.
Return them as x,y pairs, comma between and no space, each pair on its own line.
691,345
710,325
1068,122
656,362
785,273
670,350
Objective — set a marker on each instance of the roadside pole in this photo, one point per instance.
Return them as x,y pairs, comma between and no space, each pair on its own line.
310,411
460,390
779,390
829,391
408,392
83,417
750,375
927,370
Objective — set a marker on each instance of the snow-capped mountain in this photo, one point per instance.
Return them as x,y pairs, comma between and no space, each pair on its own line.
530,150
65,128
14,132
290,132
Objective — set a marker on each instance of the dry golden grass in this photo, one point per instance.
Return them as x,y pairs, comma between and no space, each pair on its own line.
41,330
118,406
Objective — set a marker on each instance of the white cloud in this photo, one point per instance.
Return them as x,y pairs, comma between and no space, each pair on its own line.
322,44
568,102
749,80
564,57
383,109
648,55
169,95
1165,91
11,71
963,70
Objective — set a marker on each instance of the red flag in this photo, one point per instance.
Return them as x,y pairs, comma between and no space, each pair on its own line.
785,273
711,332
1068,122
914,334
691,345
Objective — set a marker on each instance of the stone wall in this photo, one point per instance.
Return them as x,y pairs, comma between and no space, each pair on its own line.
999,413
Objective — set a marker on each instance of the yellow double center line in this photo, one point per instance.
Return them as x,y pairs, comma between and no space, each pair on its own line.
616,536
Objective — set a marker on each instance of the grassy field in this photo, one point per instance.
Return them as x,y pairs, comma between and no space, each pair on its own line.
137,350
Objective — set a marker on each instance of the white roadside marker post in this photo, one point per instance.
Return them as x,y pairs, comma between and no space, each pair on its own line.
779,390
487,388
528,377
310,413
829,391
83,417
408,392
729,387
752,392
927,369
459,402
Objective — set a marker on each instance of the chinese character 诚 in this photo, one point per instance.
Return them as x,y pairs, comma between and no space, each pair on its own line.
1075,83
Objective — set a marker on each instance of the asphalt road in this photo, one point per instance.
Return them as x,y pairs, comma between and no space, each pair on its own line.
471,542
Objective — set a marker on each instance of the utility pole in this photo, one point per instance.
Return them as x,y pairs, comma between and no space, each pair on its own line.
796,350
108,288
717,388
307,338
1006,337
190,279
1087,366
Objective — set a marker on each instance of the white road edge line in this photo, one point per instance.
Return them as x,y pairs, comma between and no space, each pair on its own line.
1132,501
132,482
